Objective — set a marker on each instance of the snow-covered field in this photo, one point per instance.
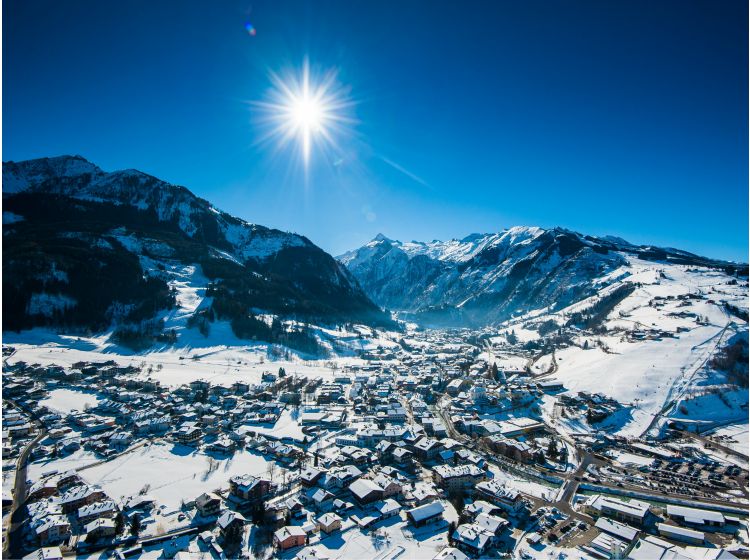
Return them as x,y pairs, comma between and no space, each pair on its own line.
65,400
172,472
79,458
222,364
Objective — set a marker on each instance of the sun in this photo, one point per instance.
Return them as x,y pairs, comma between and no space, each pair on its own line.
311,112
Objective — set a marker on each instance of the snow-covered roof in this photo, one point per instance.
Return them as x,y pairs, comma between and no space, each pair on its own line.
616,528
426,511
695,515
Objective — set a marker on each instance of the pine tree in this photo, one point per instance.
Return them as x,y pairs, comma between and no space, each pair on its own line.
135,525
552,449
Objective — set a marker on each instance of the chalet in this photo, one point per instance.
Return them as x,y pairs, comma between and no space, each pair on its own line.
249,488
493,525
339,477
46,553
88,513
329,522
208,504
507,498
423,493
320,498
289,537
188,433
310,476
42,489
80,496
387,508
389,486
480,506
228,520
199,385
471,538
426,449
424,514
52,529
222,445
366,491
240,388
517,450
100,528
403,458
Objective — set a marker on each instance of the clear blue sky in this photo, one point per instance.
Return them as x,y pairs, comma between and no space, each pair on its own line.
620,117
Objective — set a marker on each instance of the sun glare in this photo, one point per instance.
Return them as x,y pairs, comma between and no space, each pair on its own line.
307,111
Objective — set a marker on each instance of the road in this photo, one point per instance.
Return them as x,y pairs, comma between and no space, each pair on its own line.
12,548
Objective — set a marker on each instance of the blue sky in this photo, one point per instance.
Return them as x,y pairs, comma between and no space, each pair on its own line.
626,117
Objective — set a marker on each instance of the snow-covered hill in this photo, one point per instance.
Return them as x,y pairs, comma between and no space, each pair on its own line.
654,351
486,278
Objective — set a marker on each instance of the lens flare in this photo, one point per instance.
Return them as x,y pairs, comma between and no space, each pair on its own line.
306,110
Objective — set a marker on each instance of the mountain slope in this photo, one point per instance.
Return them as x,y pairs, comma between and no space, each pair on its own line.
487,278
87,249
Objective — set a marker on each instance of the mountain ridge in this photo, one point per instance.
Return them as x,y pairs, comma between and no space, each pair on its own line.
66,220
488,277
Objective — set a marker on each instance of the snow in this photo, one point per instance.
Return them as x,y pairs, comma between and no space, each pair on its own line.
76,460
253,242
525,486
738,437
172,472
67,400
16,180
220,357
632,459
455,250
286,426
386,540
649,375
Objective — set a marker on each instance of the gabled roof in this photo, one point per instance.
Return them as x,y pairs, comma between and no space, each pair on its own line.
426,511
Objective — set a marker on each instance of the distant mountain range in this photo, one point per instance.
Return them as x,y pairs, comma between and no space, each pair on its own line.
85,249
485,278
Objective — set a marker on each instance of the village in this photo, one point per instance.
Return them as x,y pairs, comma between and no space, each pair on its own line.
408,452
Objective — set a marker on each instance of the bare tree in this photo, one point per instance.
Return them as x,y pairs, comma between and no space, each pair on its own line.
271,469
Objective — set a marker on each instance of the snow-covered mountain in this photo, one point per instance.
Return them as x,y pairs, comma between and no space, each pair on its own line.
485,278
75,177
84,247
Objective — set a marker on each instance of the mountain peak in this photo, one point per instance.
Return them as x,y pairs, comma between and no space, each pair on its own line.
20,176
381,237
